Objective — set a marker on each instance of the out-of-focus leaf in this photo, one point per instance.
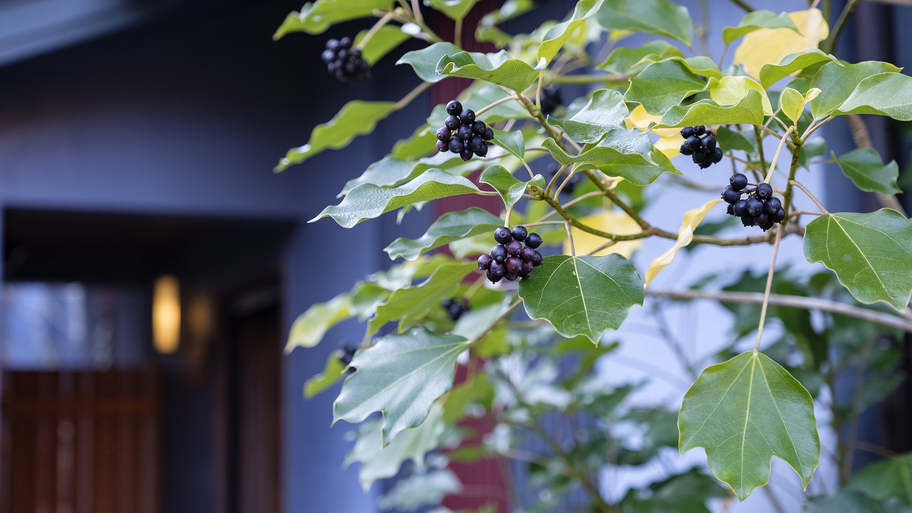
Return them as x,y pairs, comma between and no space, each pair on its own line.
332,374
757,20
421,490
557,35
316,17
651,16
692,219
381,43
886,479
771,46
610,221
308,329
868,172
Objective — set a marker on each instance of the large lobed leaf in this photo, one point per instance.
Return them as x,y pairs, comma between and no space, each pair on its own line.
582,295
651,16
770,46
496,68
400,376
885,94
629,60
316,17
772,73
368,201
451,226
424,61
744,412
355,118
381,43
871,254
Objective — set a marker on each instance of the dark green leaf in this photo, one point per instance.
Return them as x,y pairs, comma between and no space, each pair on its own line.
744,412
420,144
813,147
509,187
308,329
316,17
332,374
512,141
381,43
886,479
582,295
496,68
871,254
868,172
424,61
392,172
476,389
409,304
885,94
651,16
663,85
557,35
368,201
836,82
451,226
772,73
758,20
626,60
401,376
606,110
356,118
730,140
748,111
420,490
627,153
850,501
684,493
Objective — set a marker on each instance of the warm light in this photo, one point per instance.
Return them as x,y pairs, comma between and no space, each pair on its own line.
166,315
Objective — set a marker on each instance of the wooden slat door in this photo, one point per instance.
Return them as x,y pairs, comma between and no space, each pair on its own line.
80,442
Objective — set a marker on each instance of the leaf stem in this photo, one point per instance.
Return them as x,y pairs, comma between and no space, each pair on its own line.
491,326
745,162
494,104
767,130
769,286
829,44
760,146
588,79
744,5
803,188
570,239
814,126
376,28
787,195
769,174
422,87
457,33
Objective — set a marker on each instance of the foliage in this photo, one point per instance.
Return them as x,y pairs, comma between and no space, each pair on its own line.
745,407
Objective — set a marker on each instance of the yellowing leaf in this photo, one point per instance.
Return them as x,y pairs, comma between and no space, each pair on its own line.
792,103
812,93
609,221
731,90
639,118
692,219
770,46
670,146
616,35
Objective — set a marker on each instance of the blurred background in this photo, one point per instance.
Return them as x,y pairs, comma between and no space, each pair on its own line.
152,262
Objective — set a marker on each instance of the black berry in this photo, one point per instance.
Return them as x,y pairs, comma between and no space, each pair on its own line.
488,135
738,181
497,269
454,108
479,128
687,132
550,99
693,142
466,153
514,248
503,235
764,191
740,208
345,62
467,117
533,240
520,233
527,254
729,195
493,278
456,145
452,122
482,150
513,264
455,308
484,262
476,143
499,253
772,206
443,134
717,155
709,143
537,259
699,130
442,146
464,133
754,207
685,149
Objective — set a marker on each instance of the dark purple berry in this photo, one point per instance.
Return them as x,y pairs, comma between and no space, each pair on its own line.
497,269
709,143
738,181
499,253
442,146
537,259
699,156
510,276
533,240
502,235
514,248
467,117
527,267
778,216
345,42
488,134
466,154
761,219
456,145
685,150
493,278
452,123
699,130
328,56
550,99
484,262
772,206
693,142
513,264
479,128
332,44
730,210
482,150
687,131
764,191
454,108
716,156
754,207
464,133
443,134
730,195
520,233
527,254
475,143
747,220
740,207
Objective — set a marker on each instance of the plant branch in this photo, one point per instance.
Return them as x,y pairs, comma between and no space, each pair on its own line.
495,104
805,303
588,79
769,174
457,33
491,326
829,44
744,5
745,162
769,286
787,194
376,28
570,239
760,146
422,87
803,188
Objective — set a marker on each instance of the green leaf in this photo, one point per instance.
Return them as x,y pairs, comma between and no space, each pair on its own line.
509,187
885,94
582,295
454,9
411,303
368,201
731,90
651,16
451,226
684,493
392,172
868,172
356,118
512,141
401,376
496,68
886,479
419,144
626,60
744,412
851,501
792,103
316,17
379,462
420,490
731,140
813,147
424,61
606,110
772,73
663,85
871,254
308,329
748,111
332,374
626,153
757,20
381,43
476,389
557,35
836,82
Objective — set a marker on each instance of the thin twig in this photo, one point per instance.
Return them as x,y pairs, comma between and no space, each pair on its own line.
769,174
422,87
603,246
769,286
495,104
760,146
376,28
570,239
803,188
744,5
829,45
805,303
457,33
745,162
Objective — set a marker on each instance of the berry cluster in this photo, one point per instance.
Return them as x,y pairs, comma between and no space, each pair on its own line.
454,308
509,259
348,352
470,134
345,62
759,208
550,99
700,143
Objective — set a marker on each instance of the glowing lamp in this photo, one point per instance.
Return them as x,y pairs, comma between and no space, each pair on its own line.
166,315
